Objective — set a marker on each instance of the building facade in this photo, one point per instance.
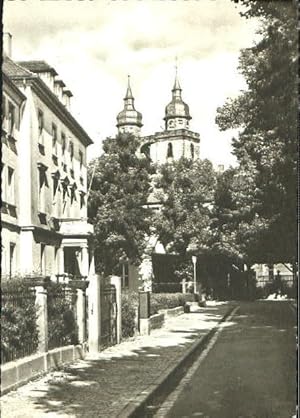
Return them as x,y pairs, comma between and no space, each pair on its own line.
44,175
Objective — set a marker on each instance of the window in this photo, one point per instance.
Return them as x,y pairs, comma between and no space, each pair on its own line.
63,144
55,183
12,256
192,151
56,259
11,185
40,123
170,150
80,159
73,194
3,113
11,118
82,200
42,184
65,193
3,182
42,259
54,140
71,151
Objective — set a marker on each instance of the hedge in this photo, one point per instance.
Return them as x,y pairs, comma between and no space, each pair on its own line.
129,306
19,333
160,301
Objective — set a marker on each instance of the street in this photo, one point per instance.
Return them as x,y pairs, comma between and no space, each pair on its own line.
249,372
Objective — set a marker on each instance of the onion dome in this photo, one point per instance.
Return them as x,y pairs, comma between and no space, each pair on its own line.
177,109
129,116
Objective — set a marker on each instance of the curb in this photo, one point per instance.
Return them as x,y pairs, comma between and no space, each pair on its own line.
137,405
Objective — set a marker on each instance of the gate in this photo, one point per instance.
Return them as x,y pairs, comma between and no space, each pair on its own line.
108,317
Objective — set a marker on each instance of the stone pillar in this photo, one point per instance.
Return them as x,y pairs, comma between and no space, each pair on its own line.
183,284
84,268
94,313
61,261
80,310
92,262
116,281
42,317
144,313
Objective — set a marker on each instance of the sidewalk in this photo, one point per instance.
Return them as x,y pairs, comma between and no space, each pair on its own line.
102,385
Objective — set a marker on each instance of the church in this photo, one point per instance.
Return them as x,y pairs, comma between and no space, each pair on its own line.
171,144
175,141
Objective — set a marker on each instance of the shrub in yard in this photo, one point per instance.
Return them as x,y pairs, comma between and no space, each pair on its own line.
129,306
19,333
168,301
62,327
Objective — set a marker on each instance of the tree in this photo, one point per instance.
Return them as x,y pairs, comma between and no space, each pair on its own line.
120,186
266,146
185,189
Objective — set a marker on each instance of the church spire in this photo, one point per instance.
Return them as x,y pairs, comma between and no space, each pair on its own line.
128,92
176,87
129,120
177,114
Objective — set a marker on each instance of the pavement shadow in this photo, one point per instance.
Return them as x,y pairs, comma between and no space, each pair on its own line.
101,388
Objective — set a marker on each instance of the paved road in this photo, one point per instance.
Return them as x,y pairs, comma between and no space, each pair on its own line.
250,371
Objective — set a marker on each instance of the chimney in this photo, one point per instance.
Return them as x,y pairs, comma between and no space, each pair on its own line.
7,43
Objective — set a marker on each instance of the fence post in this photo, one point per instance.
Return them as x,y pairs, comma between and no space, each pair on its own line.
144,313
116,281
42,317
81,313
94,313
183,284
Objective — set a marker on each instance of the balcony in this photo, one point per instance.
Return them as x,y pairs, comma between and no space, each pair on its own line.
75,227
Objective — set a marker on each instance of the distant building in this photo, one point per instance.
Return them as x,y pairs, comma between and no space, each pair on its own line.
176,141
44,175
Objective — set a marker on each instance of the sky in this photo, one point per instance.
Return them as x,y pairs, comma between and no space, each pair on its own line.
95,44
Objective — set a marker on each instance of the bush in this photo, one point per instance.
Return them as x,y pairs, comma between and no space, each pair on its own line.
62,327
171,287
129,305
19,333
160,301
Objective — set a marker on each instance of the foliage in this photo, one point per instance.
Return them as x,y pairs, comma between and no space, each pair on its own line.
62,327
184,271
120,189
19,333
129,307
263,212
186,189
160,301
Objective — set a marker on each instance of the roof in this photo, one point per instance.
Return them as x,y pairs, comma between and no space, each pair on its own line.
12,85
68,92
37,66
60,83
12,69
18,74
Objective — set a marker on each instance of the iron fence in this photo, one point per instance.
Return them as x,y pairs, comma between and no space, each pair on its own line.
19,334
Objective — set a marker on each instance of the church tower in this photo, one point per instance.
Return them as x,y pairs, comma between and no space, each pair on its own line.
177,140
129,120
177,113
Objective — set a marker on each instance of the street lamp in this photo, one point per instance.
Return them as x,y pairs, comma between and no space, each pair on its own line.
194,260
